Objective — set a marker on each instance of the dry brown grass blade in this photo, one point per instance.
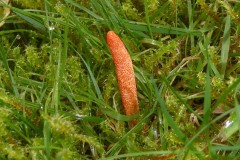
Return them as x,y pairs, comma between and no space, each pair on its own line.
4,12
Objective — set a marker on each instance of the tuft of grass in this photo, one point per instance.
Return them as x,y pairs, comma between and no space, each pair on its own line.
59,96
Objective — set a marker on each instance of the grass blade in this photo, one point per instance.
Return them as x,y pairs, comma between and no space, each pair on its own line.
225,45
171,122
3,58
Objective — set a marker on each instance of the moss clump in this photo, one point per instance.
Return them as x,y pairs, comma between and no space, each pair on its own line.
35,4
65,128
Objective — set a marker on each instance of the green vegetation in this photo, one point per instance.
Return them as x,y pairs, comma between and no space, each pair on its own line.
59,97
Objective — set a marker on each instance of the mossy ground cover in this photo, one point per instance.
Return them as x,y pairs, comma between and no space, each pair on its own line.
59,97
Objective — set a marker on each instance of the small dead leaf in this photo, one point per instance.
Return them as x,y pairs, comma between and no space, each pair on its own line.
194,120
218,110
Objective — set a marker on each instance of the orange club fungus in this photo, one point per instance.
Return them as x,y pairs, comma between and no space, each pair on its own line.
125,74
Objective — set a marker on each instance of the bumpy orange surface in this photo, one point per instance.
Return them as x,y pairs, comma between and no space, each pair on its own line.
125,74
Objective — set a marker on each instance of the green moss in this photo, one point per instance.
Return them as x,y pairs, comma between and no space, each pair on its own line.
10,146
4,81
162,58
36,4
65,133
109,87
33,58
218,86
131,12
4,116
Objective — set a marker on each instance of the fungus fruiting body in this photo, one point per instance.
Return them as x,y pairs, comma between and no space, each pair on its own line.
125,74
